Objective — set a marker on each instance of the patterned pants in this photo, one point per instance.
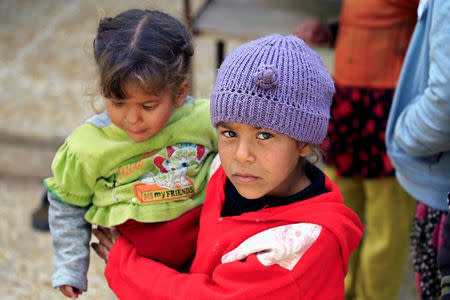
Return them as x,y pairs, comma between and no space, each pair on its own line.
426,239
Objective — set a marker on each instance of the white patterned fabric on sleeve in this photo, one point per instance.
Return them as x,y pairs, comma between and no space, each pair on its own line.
284,245
215,164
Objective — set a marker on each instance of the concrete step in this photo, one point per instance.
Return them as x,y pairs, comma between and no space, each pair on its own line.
27,157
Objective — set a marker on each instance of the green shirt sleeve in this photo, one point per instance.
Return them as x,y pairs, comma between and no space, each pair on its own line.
72,181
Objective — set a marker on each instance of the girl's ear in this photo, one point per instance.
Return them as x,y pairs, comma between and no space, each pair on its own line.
304,149
182,93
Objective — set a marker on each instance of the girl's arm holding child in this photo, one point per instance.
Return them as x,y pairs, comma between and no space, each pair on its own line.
253,270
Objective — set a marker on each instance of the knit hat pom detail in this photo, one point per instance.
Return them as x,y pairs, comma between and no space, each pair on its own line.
266,77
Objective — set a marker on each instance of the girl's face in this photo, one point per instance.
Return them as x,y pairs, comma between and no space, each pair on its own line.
261,162
143,115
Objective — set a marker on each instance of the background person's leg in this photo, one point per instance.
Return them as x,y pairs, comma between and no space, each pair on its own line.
353,193
389,212
39,217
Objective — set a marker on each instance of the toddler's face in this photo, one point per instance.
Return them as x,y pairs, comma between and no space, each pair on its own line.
261,162
142,115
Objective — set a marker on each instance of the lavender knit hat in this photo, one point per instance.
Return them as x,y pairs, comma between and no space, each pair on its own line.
275,82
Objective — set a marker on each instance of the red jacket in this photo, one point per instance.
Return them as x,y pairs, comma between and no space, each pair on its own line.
297,251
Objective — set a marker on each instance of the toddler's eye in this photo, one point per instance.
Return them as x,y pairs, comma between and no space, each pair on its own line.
117,103
264,135
229,134
147,107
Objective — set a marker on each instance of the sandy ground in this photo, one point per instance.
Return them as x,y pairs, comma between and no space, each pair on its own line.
26,259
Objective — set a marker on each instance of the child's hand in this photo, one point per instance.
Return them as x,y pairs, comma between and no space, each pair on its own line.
106,239
70,291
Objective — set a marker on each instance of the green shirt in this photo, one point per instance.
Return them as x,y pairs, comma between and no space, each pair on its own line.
101,168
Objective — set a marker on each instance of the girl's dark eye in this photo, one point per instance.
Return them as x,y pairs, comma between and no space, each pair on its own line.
118,104
147,107
264,135
229,134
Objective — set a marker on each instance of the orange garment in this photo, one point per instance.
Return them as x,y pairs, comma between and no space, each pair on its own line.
372,41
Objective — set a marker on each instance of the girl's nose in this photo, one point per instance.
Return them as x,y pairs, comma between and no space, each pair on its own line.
133,115
244,152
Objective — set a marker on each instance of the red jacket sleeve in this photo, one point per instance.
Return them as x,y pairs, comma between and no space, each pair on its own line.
319,274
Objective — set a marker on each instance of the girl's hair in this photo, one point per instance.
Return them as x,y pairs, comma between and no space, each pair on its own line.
145,47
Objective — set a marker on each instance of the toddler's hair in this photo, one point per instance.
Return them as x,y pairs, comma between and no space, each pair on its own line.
278,83
148,48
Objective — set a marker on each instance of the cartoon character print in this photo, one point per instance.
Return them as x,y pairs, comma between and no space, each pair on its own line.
173,169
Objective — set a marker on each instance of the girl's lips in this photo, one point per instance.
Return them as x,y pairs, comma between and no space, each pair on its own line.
137,132
245,177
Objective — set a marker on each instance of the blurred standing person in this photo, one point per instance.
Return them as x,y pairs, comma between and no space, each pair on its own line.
418,138
370,39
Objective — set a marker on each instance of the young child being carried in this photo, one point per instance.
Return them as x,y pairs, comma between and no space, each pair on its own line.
142,165
273,226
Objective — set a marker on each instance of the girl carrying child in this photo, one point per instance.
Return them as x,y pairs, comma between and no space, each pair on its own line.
273,226
142,165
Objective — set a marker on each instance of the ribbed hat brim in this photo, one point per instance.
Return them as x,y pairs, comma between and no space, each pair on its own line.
268,114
